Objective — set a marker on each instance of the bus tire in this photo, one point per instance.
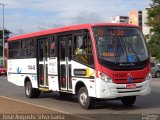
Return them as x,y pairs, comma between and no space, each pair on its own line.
84,100
129,100
37,93
31,92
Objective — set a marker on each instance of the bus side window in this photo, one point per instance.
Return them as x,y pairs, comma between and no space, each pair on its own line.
62,48
41,53
27,48
52,47
70,48
78,44
82,49
14,49
88,48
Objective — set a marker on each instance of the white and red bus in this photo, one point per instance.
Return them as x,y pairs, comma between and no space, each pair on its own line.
94,61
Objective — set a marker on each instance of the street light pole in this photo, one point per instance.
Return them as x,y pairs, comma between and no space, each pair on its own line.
3,35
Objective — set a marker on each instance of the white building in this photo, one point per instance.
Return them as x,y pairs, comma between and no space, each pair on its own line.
119,19
146,28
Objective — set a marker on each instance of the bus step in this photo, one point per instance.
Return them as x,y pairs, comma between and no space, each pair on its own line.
44,89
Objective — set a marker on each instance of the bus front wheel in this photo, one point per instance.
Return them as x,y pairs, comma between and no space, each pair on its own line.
31,92
84,100
129,100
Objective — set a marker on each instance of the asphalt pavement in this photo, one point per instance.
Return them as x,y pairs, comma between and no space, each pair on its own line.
145,106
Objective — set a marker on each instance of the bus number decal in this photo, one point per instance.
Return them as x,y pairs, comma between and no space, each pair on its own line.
31,67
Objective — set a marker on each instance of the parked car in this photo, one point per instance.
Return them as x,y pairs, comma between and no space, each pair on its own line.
155,70
3,70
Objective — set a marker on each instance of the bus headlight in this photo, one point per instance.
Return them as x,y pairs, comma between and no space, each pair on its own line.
105,77
149,76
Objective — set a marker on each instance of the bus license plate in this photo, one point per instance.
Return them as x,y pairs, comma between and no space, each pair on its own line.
131,86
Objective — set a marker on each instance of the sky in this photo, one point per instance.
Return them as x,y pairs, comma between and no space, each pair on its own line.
25,16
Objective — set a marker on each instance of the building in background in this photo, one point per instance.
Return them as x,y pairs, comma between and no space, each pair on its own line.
145,28
119,19
135,17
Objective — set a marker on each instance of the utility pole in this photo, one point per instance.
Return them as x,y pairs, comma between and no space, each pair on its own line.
3,35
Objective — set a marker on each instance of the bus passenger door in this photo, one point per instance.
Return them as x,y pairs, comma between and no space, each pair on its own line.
65,52
43,62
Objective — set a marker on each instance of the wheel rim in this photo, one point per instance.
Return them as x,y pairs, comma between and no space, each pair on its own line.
28,90
83,98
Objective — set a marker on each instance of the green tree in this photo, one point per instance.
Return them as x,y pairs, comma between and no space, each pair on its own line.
154,22
6,36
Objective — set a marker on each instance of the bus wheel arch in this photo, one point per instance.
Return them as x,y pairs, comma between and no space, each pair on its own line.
29,90
79,85
27,80
84,100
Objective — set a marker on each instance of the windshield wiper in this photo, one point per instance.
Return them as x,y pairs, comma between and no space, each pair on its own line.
118,51
130,46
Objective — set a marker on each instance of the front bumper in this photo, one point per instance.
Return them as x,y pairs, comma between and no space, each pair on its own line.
113,90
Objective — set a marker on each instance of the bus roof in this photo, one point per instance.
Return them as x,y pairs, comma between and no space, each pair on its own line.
67,28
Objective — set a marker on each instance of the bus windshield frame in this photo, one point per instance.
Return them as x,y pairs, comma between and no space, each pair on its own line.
121,47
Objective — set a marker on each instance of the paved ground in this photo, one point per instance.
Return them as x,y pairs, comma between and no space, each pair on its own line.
11,109
55,104
11,106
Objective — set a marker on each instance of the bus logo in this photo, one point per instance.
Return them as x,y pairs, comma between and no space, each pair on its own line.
19,70
130,78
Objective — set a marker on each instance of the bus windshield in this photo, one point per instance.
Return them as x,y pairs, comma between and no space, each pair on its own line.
120,45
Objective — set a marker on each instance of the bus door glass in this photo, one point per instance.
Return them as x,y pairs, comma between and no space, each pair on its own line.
43,62
65,53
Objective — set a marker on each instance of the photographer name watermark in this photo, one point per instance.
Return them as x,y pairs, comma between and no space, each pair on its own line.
150,117
32,117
